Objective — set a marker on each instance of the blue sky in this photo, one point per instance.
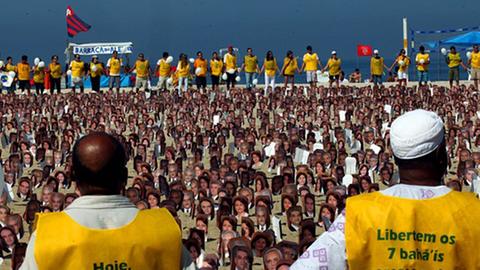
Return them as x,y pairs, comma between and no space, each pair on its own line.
39,28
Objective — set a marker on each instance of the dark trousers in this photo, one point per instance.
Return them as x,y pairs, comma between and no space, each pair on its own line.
95,83
39,87
201,82
231,80
55,84
24,84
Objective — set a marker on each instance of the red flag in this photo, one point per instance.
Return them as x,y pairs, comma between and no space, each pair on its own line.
75,25
364,50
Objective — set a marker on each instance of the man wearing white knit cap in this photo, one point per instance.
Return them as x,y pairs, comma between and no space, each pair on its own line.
417,224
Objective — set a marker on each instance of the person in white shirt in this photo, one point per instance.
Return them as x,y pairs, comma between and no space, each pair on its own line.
99,169
388,229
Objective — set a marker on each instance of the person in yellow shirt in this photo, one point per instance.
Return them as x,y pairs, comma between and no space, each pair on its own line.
376,68
230,63
290,66
474,63
216,69
310,65
95,71
250,66
23,74
183,73
201,69
55,71
270,67
163,70
422,60
403,61
10,66
114,66
454,61
77,69
142,69
39,77
334,66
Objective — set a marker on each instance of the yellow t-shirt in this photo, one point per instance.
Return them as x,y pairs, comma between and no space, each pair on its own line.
406,63
115,64
77,68
311,61
425,57
230,61
250,63
38,75
23,71
376,66
75,246
163,68
99,70
270,67
142,68
386,232
55,70
216,67
475,60
454,60
290,66
10,67
202,64
183,71
334,66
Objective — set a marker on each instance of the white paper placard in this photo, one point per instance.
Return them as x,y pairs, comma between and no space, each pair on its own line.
270,149
216,119
342,115
376,149
317,146
301,156
387,108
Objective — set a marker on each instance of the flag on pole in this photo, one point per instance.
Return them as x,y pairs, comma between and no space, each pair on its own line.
75,25
364,50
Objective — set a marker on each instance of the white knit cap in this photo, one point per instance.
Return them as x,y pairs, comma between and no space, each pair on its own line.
416,134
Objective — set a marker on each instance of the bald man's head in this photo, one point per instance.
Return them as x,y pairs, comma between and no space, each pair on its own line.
99,165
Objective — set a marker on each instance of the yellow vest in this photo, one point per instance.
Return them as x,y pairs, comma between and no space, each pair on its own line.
55,70
475,60
202,64
270,67
77,68
454,60
151,241
311,61
406,63
164,68
99,71
230,61
216,67
10,67
183,71
290,66
376,66
142,68
39,75
334,66
23,71
115,65
250,64
425,57
385,232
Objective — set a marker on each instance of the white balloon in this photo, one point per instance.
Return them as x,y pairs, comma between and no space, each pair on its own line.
69,73
237,78
421,61
169,59
319,73
192,60
159,62
11,74
230,71
444,51
224,76
94,68
469,55
170,81
41,64
36,61
1,64
255,81
198,71
401,63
